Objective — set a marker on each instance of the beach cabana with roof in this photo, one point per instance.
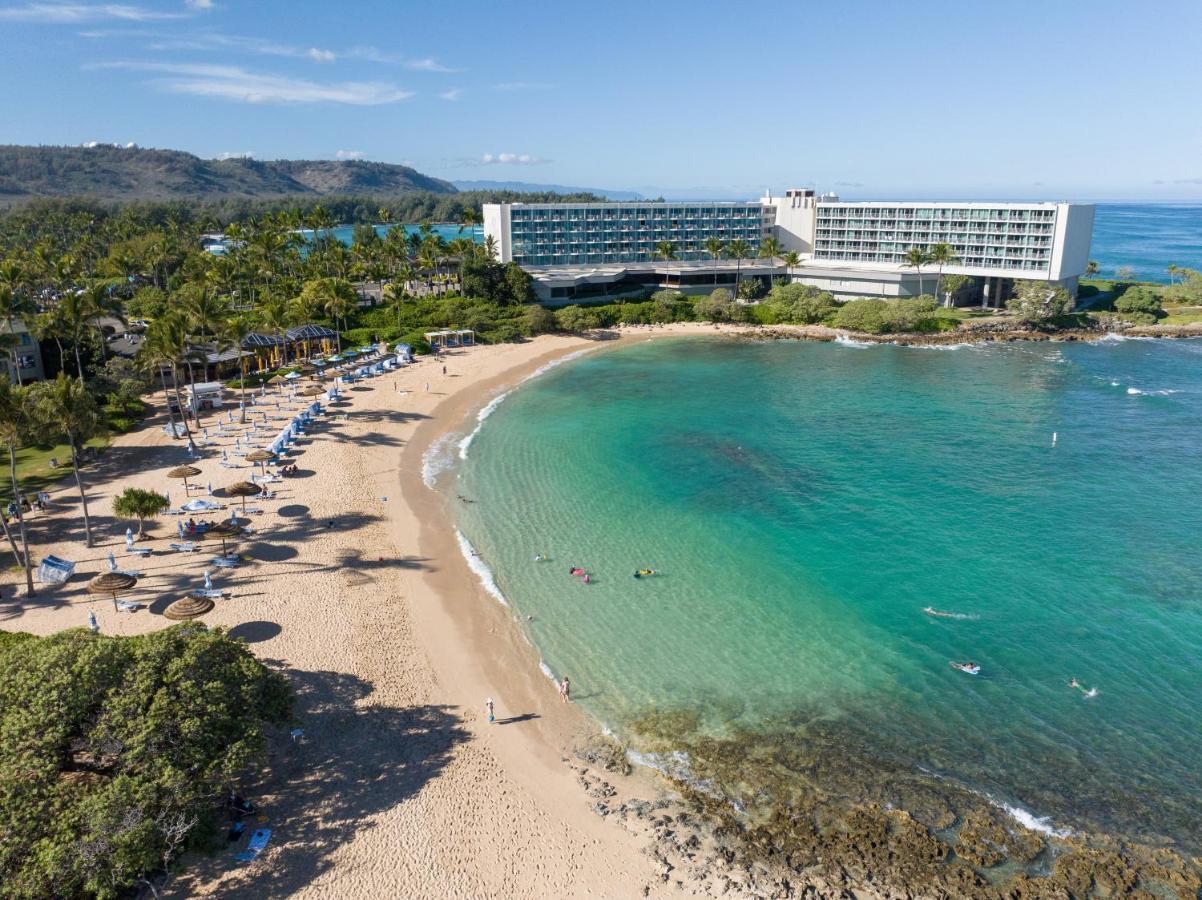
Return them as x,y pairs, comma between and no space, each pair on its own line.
325,340
267,348
452,337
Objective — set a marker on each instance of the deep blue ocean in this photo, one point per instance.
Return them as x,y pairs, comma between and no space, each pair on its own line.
1148,237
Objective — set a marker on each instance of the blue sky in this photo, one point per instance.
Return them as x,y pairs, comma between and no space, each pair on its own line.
1079,99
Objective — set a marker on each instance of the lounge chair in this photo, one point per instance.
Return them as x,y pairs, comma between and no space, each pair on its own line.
55,570
128,605
211,593
138,551
185,547
227,562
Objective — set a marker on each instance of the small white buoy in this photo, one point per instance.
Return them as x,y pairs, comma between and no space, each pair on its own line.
1054,439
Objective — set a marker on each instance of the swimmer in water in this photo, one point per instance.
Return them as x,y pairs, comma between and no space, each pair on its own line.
1074,683
538,557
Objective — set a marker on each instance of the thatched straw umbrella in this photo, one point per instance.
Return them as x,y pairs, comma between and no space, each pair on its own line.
222,530
260,457
184,472
278,380
111,583
244,489
312,391
189,607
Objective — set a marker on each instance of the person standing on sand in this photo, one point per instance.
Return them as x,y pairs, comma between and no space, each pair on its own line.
488,707
92,623
427,387
565,690
444,370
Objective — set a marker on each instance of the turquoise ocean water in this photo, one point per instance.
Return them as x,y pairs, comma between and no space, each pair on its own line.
804,502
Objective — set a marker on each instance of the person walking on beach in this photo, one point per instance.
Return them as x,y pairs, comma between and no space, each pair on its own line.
427,387
92,623
565,690
488,708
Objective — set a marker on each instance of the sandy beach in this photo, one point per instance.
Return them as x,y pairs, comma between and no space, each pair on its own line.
355,586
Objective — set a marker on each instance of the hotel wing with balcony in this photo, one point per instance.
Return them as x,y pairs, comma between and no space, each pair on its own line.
577,251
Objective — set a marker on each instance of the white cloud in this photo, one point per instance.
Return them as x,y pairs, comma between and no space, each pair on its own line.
236,83
452,94
321,56
75,13
511,159
373,54
199,4
212,40
427,65
349,154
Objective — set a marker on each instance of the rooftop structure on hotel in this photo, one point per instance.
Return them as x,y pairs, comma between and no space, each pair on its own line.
582,250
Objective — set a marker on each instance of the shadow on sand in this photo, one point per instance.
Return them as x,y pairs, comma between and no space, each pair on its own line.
354,762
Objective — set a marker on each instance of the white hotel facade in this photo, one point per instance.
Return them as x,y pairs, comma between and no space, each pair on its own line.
580,251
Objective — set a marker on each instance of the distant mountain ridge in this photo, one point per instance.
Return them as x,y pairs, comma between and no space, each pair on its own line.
528,187
135,173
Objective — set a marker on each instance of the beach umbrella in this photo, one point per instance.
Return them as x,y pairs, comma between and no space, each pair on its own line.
190,607
312,391
184,472
111,584
260,457
244,489
223,531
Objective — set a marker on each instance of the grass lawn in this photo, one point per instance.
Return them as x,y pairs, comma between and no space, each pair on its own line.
33,468
1181,315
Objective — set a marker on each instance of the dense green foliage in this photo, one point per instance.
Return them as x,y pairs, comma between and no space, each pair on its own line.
116,753
1038,301
1140,305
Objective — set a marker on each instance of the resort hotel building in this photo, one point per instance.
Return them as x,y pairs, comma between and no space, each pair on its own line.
577,251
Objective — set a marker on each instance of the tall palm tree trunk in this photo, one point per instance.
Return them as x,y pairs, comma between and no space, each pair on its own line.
83,497
28,563
179,400
242,392
167,397
12,543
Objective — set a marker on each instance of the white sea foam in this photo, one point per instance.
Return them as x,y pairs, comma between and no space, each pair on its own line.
1027,819
546,670
477,565
547,367
488,410
1136,392
963,345
437,459
852,342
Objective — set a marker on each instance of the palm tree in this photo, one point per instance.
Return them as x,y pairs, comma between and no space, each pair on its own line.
165,346
739,250
275,315
66,408
395,297
235,331
98,302
468,218
1173,269
666,251
791,259
915,258
716,249
944,255
769,249
14,420
490,247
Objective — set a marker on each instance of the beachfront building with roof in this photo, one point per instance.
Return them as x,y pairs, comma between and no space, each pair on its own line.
576,251
20,351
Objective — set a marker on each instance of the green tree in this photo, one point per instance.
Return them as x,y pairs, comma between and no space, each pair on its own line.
117,753
1140,305
954,284
666,251
1038,301
800,304
915,258
739,250
136,503
791,259
65,408
869,316
14,427
519,283
1091,269
538,320
769,249
717,306
940,254
576,320
716,249
1124,273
